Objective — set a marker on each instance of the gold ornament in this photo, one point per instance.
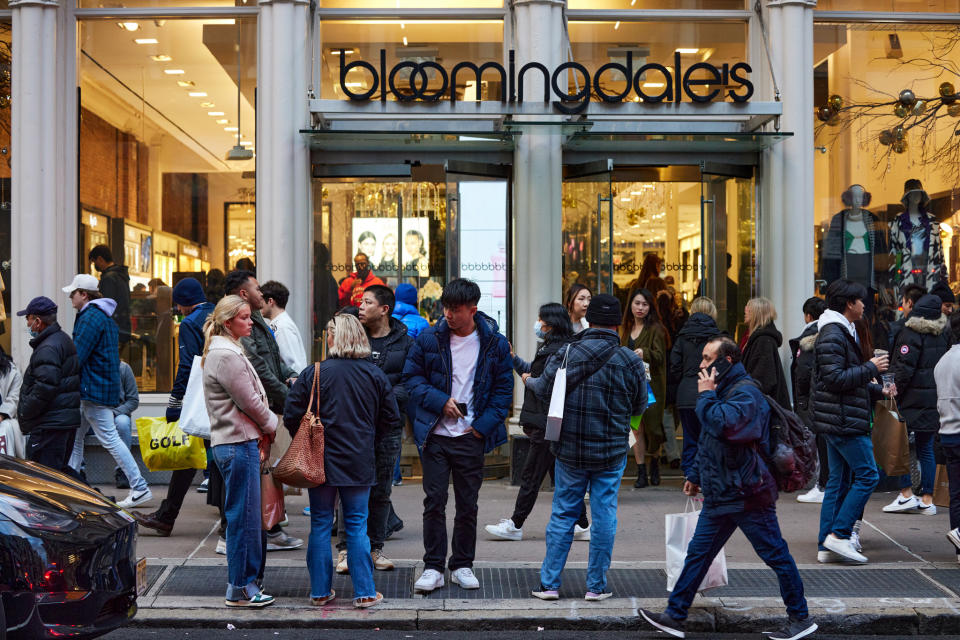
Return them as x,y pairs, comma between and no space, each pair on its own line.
954,110
835,102
900,110
919,107
947,90
899,146
886,137
899,132
824,113
908,98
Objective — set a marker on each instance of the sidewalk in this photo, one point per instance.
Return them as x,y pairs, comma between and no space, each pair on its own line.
910,586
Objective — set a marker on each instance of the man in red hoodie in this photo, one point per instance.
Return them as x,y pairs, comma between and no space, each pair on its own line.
353,286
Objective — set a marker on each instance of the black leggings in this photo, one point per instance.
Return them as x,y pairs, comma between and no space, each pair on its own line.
538,464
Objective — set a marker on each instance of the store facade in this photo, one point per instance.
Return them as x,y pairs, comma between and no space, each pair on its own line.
526,144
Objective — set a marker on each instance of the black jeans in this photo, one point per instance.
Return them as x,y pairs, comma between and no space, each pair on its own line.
538,463
824,474
180,482
952,456
462,458
52,448
379,507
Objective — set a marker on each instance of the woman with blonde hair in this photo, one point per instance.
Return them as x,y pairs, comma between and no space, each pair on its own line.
357,407
242,427
761,352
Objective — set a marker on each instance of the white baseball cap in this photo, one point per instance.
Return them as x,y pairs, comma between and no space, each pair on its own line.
82,281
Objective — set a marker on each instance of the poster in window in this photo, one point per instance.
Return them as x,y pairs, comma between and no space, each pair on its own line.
377,238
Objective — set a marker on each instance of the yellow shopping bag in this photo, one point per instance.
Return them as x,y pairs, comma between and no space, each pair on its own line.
165,447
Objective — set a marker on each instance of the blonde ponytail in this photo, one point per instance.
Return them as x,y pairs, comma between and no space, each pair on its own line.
226,309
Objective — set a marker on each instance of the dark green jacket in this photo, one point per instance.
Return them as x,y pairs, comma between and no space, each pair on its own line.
264,354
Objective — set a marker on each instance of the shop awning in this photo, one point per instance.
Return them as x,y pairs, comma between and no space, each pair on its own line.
674,142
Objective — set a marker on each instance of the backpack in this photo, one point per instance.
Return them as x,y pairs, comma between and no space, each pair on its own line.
791,451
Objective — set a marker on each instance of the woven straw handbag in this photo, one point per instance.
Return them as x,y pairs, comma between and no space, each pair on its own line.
302,465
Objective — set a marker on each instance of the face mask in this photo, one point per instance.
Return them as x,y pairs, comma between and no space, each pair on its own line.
33,333
538,330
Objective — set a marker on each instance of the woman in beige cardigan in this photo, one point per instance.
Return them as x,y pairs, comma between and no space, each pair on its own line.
241,430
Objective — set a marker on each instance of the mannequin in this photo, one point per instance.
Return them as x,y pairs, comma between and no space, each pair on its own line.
915,247
852,242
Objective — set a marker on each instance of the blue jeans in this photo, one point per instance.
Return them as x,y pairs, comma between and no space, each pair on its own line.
239,463
842,505
570,486
397,474
691,438
353,501
101,419
124,428
761,528
928,464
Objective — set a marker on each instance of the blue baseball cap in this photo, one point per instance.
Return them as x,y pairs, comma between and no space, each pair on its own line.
39,306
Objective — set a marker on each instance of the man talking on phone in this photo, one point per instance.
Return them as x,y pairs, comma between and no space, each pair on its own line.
459,374
738,490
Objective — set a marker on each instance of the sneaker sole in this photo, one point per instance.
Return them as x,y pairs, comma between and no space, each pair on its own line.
464,586
851,559
954,541
136,503
543,595
273,547
501,536
417,589
598,598
676,633
246,604
367,605
899,509
802,634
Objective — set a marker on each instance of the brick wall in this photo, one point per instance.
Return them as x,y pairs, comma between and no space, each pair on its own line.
113,169
185,206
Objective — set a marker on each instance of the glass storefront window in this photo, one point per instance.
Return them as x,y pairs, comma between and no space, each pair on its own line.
445,42
904,6
412,4
864,237
676,5
7,320
161,108
595,44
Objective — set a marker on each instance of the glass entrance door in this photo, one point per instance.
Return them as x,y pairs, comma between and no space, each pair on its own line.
588,225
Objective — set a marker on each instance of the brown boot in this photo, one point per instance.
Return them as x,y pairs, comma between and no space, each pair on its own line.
151,521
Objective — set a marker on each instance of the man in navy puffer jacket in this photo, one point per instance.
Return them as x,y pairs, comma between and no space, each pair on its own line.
459,375
738,490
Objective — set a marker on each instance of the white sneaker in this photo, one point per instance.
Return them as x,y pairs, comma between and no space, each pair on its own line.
855,541
579,533
927,509
222,546
815,495
465,578
135,499
954,536
828,557
902,505
505,530
429,580
844,548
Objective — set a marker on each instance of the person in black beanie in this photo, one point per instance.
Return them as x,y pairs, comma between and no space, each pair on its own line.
606,385
948,301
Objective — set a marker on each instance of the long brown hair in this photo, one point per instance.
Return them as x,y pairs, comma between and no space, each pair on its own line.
651,321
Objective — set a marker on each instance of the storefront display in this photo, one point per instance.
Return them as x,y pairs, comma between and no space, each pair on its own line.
855,241
915,248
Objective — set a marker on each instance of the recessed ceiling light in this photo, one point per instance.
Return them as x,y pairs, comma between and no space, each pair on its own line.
247,143
404,40
688,50
231,129
186,83
653,85
174,72
336,52
616,26
146,40
207,105
214,113
198,94
223,121
161,58
129,26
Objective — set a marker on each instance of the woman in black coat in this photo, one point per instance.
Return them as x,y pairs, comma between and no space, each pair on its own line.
685,358
761,354
357,407
556,331
918,349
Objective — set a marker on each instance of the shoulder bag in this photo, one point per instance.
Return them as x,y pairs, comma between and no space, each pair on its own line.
302,465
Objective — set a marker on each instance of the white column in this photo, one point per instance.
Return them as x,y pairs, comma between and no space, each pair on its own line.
44,224
786,245
537,172
284,228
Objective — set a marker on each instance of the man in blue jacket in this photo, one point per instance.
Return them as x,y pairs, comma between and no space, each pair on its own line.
738,490
459,375
96,338
192,303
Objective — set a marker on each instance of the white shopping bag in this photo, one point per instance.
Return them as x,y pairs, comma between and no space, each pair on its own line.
194,419
558,398
679,532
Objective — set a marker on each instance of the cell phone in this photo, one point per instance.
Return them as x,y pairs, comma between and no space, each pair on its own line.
462,408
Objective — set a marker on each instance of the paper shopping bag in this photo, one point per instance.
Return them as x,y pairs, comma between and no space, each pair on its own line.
679,532
891,448
165,447
271,500
941,488
194,419
558,398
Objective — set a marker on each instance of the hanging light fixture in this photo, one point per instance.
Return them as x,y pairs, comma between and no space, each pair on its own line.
238,152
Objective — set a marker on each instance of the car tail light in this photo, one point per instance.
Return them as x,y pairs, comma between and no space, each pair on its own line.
31,516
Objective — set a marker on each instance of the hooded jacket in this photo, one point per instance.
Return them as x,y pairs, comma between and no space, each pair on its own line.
606,385
801,371
191,344
686,355
761,359
842,392
533,413
916,353
115,284
389,353
428,377
405,309
947,376
734,423
98,350
264,354
351,289
50,393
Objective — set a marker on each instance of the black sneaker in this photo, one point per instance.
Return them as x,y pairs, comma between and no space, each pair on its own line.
120,479
665,623
794,630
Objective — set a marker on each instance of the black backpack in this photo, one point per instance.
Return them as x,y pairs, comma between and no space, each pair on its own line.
791,451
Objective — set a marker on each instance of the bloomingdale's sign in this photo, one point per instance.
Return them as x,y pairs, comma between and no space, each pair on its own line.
675,83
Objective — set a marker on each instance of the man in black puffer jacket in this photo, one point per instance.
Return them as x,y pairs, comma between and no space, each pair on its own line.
49,410
919,346
801,375
844,390
389,344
